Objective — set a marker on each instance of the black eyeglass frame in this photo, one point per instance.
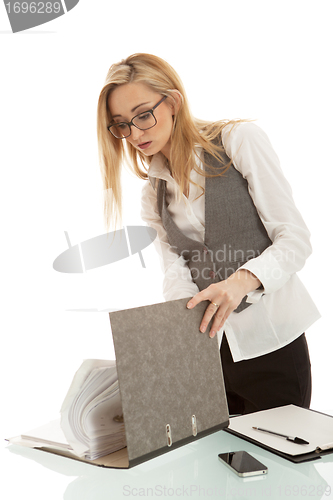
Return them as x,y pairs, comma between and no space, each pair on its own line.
130,124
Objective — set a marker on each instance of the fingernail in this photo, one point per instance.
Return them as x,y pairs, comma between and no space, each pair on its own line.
203,329
212,334
189,305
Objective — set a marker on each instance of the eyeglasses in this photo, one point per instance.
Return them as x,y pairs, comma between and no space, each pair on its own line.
143,121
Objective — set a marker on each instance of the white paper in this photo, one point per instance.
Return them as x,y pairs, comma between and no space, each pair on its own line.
50,434
290,420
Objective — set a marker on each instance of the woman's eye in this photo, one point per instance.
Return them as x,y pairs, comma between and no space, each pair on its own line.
144,116
121,126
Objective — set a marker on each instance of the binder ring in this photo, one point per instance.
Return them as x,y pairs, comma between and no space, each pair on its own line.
168,434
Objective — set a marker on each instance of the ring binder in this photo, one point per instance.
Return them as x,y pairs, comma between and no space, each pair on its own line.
153,392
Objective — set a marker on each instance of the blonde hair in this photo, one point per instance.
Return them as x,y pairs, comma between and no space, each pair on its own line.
187,132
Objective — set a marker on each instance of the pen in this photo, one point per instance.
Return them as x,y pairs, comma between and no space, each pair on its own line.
296,440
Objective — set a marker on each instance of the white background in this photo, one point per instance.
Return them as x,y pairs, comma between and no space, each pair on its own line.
265,60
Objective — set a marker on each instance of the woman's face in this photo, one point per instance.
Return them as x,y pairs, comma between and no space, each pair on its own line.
130,99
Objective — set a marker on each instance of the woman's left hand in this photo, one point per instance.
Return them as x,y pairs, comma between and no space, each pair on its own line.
225,297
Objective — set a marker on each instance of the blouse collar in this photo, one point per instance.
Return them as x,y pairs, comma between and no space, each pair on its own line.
158,168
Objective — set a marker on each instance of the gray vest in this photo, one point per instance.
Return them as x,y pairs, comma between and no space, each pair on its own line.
234,232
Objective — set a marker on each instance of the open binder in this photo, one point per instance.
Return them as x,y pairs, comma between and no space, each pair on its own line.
170,382
170,378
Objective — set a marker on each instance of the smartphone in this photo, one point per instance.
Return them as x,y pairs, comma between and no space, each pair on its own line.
243,463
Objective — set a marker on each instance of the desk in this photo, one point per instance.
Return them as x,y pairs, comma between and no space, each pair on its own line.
192,471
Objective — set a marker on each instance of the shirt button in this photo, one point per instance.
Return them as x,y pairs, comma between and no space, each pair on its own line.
212,274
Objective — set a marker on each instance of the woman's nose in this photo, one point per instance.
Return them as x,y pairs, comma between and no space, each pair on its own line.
136,133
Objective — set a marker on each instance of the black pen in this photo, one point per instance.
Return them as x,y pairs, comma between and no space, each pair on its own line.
296,440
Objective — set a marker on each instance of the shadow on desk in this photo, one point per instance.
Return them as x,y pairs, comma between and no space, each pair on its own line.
190,471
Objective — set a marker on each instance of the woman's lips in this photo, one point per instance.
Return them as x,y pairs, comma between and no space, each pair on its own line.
144,145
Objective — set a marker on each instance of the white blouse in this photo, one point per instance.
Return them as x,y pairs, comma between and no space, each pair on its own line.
283,309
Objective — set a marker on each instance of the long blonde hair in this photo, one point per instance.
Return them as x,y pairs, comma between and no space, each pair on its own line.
188,132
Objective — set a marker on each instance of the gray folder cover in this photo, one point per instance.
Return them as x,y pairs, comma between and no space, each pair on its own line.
168,372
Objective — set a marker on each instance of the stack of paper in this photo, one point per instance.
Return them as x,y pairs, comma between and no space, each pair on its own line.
91,415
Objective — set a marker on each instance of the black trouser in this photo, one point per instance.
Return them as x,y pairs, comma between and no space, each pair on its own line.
276,379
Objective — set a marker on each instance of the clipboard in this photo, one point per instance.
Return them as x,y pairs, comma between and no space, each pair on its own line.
313,426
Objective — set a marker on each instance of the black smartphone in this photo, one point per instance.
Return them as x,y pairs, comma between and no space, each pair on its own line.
243,463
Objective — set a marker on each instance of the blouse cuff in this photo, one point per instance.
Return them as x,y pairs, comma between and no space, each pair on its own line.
268,271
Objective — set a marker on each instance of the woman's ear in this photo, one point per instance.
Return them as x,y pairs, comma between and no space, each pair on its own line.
176,100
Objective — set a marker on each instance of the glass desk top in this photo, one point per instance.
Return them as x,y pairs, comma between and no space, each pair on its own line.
192,471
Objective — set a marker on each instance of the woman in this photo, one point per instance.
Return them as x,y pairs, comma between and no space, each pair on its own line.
228,229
